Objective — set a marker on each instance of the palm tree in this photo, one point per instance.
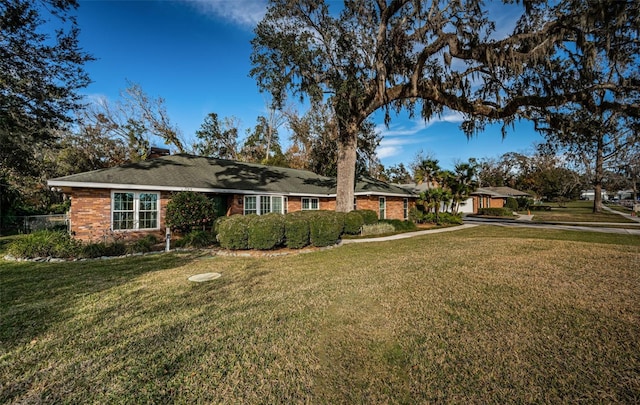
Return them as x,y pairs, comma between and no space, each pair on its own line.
463,185
426,171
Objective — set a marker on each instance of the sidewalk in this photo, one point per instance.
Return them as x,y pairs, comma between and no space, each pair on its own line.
408,234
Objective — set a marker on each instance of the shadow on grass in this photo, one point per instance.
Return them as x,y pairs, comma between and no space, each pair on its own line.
33,296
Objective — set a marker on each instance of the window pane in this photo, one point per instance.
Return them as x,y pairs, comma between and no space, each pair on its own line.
123,201
148,202
148,220
382,208
305,203
314,203
122,220
265,204
249,205
276,204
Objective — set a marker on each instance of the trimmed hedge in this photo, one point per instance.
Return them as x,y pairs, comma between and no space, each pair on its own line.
296,229
233,232
325,228
266,232
495,212
353,222
369,216
399,225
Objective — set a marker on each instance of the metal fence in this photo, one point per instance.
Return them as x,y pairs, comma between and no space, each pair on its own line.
33,223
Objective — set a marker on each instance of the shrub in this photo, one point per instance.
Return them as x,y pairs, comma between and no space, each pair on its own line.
266,232
495,212
400,226
233,232
449,218
369,216
511,203
296,229
100,249
142,245
353,222
44,243
377,229
417,215
197,239
189,210
325,228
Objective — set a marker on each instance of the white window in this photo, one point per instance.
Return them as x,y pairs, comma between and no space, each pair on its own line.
264,204
250,205
310,204
383,208
134,210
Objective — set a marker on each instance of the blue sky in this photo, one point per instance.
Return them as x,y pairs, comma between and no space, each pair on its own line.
195,55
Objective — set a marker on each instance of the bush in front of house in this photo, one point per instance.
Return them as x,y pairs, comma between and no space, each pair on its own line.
379,228
369,216
189,211
325,228
233,232
495,212
353,222
45,243
449,218
196,239
296,229
142,245
103,249
266,232
399,225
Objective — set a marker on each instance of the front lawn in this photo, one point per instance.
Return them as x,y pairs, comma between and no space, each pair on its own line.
483,315
577,211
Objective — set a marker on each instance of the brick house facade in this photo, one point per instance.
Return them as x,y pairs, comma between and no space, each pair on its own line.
130,201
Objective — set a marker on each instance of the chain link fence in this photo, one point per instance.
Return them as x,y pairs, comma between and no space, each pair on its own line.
33,223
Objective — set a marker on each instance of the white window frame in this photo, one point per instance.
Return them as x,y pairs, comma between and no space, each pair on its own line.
136,210
264,204
308,201
382,208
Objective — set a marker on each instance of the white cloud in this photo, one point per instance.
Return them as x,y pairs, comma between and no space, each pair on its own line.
246,13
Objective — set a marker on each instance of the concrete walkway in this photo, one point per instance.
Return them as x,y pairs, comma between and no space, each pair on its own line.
408,234
525,221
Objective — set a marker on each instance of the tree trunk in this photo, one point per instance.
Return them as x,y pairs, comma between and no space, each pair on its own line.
346,168
597,180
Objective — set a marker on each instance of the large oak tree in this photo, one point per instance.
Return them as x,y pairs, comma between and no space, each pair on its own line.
417,55
396,54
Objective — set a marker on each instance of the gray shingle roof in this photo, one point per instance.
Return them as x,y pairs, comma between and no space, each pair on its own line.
184,172
501,192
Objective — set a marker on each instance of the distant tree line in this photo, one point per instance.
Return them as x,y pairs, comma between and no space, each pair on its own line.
570,67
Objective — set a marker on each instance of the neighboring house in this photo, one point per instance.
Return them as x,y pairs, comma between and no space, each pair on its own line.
494,197
131,200
589,195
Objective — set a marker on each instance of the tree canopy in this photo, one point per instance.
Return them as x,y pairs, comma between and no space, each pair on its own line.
40,75
415,55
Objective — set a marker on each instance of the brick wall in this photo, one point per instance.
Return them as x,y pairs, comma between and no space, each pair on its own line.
91,212
90,216
394,205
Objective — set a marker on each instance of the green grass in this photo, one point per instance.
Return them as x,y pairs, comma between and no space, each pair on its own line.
577,211
487,314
